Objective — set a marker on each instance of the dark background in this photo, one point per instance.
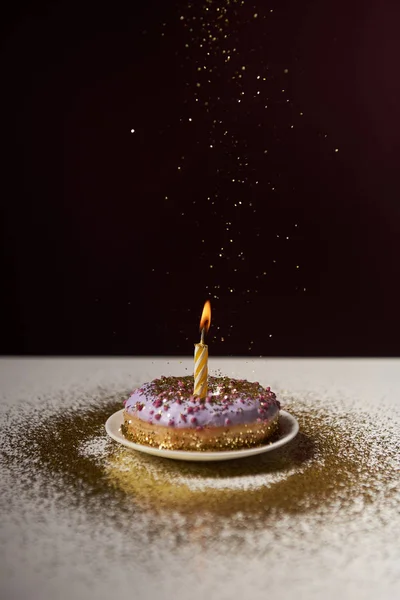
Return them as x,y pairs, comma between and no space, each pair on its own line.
109,248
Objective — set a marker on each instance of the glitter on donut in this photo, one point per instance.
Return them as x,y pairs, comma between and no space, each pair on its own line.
229,417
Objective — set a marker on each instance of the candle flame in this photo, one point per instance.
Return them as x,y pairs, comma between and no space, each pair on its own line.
205,320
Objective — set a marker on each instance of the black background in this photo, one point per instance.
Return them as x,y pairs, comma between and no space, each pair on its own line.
96,260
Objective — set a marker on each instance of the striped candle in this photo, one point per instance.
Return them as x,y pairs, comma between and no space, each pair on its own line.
200,370
201,355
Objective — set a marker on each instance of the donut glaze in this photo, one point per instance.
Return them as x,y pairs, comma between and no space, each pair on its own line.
236,413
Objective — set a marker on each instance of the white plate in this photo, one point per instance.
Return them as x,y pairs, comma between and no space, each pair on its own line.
287,430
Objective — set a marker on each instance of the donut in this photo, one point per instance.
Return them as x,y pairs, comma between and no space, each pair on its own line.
235,414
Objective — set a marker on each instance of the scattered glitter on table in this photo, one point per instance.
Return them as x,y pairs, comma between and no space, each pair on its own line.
332,492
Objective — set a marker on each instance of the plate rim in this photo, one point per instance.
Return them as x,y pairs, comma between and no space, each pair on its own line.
202,456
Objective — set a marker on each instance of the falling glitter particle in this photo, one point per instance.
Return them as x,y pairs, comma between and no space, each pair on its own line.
232,171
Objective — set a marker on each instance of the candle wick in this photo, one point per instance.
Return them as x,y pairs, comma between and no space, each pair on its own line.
203,332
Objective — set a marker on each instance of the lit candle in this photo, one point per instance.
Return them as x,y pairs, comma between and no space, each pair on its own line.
201,355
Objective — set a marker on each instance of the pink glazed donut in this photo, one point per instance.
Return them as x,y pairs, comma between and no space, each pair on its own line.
235,414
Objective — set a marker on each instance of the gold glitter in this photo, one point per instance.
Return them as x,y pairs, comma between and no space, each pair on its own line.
337,459
218,386
209,438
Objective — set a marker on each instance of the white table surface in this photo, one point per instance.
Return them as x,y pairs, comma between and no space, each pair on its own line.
51,549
